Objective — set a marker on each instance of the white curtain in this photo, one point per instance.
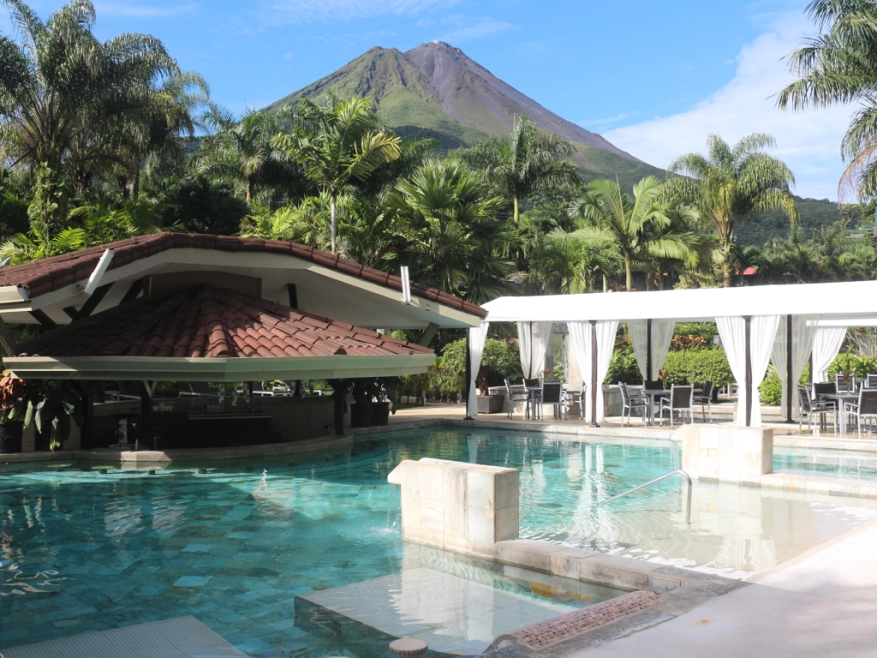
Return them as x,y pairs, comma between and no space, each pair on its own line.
732,331
533,339
580,334
477,336
662,336
803,333
826,346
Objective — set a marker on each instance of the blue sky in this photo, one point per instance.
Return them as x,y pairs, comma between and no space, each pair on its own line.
655,78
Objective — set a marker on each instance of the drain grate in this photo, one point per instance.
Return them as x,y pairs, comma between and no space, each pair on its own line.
550,632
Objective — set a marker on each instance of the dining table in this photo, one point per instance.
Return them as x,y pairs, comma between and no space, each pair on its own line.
654,395
842,400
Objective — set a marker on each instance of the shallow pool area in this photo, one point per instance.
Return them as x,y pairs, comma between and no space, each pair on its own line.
235,544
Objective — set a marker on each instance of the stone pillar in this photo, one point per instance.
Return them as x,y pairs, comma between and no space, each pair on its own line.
729,452
465,508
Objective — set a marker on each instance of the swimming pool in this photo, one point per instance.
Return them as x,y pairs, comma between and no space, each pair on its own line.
234,544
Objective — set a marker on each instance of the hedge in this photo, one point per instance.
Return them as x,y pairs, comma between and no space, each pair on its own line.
697,367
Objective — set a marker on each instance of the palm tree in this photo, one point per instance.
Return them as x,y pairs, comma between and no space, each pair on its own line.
729,185
637,226
528,161
243,149
452,239
61,84
562,262
840,66
337,142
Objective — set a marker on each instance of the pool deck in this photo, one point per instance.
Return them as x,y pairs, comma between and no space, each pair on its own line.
785,434
822,604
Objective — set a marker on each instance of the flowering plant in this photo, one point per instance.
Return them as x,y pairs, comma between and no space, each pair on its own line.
662,375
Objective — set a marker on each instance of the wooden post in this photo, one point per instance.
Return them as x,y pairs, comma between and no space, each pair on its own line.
468,374
649,374
748,382
145,432
790,385
339,394
594,374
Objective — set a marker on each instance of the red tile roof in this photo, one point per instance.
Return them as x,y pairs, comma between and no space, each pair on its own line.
48,274
206,322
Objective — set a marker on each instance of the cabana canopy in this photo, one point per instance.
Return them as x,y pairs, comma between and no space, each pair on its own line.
850,301
755,323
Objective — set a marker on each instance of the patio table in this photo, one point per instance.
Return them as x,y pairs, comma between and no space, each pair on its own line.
842,399
654,394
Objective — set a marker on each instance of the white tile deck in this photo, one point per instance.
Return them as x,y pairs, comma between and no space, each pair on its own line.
183,637
451,614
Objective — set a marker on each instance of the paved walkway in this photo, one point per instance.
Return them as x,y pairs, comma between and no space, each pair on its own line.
823,604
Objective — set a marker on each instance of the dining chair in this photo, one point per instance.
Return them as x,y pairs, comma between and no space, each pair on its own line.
630,402
552,393
705,399
521,396
809,407
681,400
865,408
534,389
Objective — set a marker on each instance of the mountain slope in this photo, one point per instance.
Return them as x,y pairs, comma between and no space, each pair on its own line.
436,91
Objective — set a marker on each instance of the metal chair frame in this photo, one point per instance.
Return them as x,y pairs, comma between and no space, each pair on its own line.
552,393
810,408
676,403
630,402
705,399
865,408
516,397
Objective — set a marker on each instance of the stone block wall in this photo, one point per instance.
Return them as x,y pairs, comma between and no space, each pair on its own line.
459,507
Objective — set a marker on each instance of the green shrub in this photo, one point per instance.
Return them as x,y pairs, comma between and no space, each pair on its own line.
771,388
500,360
705,330
697,367
623,368
860,365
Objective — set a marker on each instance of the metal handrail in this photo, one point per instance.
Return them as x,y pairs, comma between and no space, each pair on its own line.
651,482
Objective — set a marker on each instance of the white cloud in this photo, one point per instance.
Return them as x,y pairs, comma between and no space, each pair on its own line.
464,28
808,141
129,10
308,11
603,122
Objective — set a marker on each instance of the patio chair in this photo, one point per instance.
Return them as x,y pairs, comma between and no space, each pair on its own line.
705,399
809,407
844,386
260,391
534,390
552,393
681,400
871,381
824,388
523,396
866,408
630,402
653,385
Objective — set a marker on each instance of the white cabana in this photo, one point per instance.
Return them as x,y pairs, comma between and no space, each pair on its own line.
759,308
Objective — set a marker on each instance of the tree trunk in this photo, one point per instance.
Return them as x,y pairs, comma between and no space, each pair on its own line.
135,193
516,210
249,191
726,265
605,283
332,228
628,270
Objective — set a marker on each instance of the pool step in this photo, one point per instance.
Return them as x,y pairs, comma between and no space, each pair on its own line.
182,637
453,615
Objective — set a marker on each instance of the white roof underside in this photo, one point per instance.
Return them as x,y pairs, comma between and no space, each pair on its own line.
849,303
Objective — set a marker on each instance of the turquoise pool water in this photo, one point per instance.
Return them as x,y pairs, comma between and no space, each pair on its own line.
234,544
843,464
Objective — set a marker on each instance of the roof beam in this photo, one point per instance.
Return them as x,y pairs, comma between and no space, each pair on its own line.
45,321
88,307
135,289
7,340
